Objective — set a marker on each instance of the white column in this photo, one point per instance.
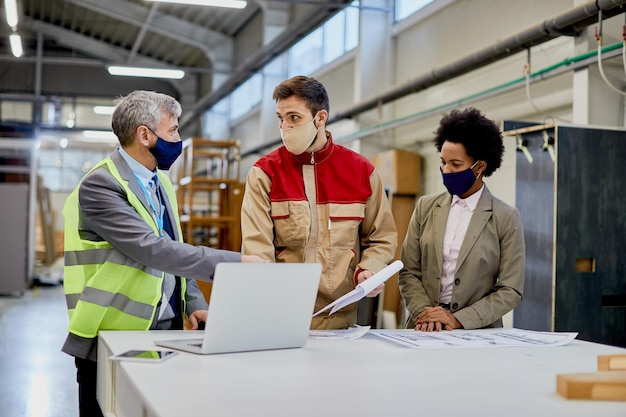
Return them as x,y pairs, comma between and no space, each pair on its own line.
373,74
276,19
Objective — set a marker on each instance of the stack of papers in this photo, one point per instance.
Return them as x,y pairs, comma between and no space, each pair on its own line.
497,337
363,288
351,333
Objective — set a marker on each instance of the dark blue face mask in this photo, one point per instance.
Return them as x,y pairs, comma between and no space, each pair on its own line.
166,152
458,183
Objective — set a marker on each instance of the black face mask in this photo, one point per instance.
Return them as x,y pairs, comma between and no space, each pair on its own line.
458,183
166,152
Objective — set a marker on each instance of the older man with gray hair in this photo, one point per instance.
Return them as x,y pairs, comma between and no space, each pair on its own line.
126,265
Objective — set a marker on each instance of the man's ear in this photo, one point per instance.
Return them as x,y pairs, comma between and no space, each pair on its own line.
143,135
322,117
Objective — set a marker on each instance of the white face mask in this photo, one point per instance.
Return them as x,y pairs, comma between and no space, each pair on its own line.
298,139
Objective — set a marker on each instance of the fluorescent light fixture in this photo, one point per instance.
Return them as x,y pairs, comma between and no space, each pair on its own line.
99,134
16,45
63,143
104,110
233,4
146,72
10,8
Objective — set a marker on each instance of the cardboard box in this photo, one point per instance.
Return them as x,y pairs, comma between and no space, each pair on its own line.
400,171
402,208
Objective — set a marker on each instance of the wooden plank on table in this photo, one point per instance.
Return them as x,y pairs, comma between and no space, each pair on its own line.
604,386
611,362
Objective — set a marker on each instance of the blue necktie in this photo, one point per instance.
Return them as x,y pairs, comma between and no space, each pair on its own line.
167,226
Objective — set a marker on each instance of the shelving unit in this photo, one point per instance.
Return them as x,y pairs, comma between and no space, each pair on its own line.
209,193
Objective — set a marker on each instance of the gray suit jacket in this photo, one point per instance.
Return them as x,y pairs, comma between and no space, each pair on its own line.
489,276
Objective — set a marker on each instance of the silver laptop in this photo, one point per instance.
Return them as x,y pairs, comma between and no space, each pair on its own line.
256,307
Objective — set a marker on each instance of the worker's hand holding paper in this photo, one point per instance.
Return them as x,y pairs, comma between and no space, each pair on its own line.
363,288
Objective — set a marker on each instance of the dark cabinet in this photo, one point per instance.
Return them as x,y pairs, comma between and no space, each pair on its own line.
571,193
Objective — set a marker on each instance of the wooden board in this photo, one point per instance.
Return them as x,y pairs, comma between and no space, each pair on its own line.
611,362
604,386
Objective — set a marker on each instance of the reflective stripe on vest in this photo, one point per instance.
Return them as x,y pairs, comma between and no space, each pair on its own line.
100,256
107,299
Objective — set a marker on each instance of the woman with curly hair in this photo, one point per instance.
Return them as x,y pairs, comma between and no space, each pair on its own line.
464,249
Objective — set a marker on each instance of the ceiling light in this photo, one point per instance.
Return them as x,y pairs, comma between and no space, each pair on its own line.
104,110
233,4
16,45
10,8
146,72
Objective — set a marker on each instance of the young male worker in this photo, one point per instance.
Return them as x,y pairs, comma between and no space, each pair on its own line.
312,200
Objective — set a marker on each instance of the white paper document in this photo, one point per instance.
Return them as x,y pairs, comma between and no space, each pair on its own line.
363,288
351,333
475,338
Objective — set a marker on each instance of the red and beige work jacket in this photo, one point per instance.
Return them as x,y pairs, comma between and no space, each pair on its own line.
327,207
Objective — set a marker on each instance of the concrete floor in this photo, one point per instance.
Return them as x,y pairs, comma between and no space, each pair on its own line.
36,378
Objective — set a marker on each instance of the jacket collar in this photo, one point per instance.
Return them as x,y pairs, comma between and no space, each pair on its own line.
318,156
127,174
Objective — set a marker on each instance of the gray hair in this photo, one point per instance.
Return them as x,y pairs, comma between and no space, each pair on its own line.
139,108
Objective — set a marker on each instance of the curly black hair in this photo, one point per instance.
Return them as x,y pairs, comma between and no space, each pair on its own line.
480,136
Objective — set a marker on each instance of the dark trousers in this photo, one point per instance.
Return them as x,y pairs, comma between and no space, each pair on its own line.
86,376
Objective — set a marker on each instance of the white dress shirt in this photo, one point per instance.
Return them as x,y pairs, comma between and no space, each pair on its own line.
461,211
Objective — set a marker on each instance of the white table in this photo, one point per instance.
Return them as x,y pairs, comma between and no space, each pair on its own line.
364,377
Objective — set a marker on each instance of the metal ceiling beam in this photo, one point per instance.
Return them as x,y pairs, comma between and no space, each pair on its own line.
164,25
86,44
298,28
92,47
142,33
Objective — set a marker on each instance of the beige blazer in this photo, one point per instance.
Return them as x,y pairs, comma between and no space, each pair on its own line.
489,277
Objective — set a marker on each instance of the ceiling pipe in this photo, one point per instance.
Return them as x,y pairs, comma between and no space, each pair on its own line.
569,23
89,62
568,65
299,28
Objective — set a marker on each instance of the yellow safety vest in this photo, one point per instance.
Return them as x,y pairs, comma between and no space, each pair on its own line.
104,289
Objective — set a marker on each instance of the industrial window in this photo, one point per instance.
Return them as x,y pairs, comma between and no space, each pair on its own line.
62,168
338,35
246,96
405,8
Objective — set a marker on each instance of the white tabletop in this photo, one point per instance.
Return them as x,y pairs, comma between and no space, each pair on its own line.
364,377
